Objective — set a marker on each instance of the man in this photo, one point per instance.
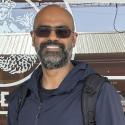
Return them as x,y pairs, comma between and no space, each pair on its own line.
53,95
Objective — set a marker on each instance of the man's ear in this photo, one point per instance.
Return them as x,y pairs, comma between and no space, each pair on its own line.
33,38
74,39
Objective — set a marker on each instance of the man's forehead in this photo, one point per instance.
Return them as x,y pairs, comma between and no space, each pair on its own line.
54,7
54,22
53,13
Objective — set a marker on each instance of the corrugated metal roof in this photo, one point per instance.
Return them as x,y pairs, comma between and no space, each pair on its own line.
100,43
18,43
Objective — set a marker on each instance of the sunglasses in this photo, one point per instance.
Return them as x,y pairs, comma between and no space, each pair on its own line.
61,31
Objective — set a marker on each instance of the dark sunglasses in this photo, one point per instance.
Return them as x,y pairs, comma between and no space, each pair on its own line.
61,31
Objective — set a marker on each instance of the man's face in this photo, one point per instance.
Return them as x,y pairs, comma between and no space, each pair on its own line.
53,38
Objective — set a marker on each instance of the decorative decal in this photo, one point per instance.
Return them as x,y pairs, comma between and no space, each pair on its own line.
26,20
15,17
11,22
17,63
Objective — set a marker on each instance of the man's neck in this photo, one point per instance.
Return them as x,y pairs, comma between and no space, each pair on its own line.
51,79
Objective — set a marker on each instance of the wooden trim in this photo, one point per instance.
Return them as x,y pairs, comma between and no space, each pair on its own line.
105,63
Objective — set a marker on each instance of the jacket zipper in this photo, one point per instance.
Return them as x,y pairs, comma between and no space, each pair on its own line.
38,113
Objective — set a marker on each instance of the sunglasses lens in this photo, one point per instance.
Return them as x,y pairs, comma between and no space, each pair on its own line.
42,32
63,32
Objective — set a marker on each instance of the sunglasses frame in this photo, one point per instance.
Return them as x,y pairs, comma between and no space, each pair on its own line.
57,30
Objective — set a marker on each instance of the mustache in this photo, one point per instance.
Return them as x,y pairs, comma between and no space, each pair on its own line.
50,42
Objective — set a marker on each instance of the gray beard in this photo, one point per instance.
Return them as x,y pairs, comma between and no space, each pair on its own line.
53,59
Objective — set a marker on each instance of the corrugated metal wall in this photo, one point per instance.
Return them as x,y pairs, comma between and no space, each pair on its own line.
21,43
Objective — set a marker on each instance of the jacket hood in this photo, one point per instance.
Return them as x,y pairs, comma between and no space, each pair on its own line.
79,72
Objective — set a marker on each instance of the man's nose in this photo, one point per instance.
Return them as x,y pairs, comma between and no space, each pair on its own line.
53,35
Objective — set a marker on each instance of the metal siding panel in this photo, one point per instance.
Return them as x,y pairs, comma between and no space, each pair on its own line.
103,43
1,43
8,45
27,48
32,50
13,42
15,45
86,43
29,45
24,45
20,45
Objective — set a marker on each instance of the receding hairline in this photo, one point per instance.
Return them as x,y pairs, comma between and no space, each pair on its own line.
54,6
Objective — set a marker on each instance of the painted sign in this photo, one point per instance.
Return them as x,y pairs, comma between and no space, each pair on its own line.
16,17
17,68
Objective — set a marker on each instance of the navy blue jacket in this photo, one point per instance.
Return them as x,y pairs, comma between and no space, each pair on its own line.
62,106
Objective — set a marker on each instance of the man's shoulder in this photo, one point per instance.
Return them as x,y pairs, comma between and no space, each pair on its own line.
24,86
16,92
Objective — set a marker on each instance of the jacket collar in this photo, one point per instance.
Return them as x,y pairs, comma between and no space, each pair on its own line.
80,71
